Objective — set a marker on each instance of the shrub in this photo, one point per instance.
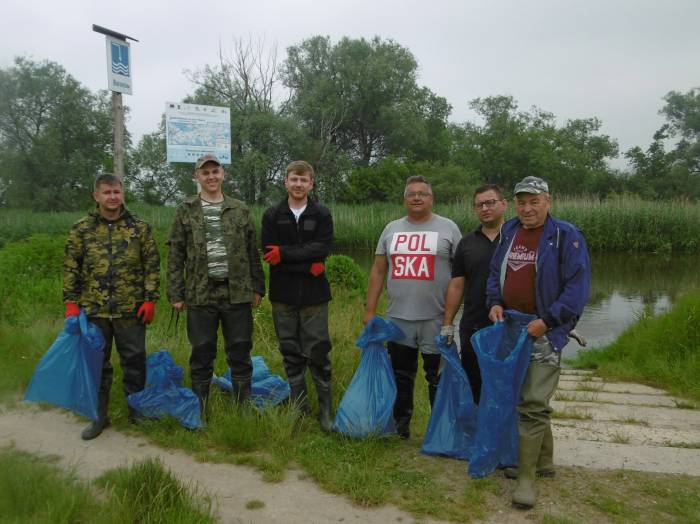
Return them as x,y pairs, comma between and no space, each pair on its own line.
343,271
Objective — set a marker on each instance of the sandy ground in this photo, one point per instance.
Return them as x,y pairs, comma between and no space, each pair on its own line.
611,426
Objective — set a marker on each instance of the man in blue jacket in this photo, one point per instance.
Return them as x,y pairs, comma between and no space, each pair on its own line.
541,267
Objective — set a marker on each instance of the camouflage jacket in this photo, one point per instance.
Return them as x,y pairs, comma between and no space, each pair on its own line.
188,278
111,267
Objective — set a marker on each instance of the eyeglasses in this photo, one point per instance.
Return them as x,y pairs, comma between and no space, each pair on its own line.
414,194
488,204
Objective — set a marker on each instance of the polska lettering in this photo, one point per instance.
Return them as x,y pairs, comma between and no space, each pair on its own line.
413,255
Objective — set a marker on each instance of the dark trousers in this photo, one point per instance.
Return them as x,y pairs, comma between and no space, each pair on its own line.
404,362
304,341
470,363
130,337
203,322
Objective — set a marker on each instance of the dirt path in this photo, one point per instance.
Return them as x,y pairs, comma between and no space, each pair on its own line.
611,426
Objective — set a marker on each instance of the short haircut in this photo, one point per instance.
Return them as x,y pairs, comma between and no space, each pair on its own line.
416,179
108,179
300,168
488,187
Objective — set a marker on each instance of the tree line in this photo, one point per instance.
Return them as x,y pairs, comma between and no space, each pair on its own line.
353,108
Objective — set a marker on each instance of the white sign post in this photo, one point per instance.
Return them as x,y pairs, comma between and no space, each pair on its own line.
193,130
118,65
118,81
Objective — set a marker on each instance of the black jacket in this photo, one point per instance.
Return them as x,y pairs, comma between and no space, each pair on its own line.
301,245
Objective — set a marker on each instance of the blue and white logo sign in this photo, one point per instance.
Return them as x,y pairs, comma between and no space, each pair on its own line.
118,65
120,59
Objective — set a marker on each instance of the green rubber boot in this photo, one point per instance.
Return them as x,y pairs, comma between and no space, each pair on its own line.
545,464
525,494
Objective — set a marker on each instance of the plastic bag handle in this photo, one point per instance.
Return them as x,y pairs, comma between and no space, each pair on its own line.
83,322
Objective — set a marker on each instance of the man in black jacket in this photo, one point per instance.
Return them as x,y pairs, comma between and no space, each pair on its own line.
297,235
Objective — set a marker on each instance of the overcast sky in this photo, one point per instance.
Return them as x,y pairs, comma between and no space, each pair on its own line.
613,59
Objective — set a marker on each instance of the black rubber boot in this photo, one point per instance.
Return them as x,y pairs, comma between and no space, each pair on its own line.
299,397
135,417
97,426
325,405
241,391
404,362
202,392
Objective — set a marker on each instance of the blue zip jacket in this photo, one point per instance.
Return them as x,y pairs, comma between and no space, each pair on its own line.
563,276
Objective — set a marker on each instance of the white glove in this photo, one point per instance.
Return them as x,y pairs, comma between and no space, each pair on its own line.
449,333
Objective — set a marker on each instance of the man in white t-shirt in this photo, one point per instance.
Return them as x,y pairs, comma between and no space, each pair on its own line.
414,255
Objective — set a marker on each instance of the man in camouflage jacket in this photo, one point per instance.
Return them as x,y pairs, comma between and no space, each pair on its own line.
111,269
214,271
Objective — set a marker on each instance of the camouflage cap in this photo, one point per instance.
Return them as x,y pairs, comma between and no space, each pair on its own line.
204,159
531,184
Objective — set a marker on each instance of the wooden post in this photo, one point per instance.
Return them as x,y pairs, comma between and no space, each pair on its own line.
118,109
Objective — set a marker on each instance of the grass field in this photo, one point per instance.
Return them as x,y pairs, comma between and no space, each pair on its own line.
616,224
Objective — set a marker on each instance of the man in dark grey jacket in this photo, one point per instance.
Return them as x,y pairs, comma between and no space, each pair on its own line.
297,235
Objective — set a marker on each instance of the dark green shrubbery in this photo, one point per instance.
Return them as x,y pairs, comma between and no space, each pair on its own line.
342,271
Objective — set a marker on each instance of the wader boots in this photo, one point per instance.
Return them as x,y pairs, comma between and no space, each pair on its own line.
240,393
298,395
545,463
534,429
325,405
201,389
96,426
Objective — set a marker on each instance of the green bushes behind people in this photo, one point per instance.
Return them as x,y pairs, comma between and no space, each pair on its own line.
662,351
614,224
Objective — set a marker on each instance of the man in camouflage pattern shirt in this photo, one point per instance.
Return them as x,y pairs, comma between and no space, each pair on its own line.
214,271
111,269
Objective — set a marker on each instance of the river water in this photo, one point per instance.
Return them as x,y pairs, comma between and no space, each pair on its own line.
624,286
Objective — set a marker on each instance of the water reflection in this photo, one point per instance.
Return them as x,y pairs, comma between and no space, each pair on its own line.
623,287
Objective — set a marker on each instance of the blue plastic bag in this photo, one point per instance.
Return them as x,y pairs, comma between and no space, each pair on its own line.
367,408
164,394
267,389
68,375
453,420
503,351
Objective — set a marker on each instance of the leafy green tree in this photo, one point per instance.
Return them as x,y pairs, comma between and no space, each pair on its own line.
360,97
659,173
149,175
55,136
264,139
511,144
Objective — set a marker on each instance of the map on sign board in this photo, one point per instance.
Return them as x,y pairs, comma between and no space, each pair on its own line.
192,130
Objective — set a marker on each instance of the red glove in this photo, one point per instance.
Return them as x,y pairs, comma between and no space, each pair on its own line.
317,268
146,312
273,256
72,309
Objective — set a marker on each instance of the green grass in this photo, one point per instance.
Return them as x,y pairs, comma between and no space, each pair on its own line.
35,489
614,225
662,351
147,492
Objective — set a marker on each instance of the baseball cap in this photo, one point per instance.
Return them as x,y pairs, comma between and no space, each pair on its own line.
204,159
531,184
